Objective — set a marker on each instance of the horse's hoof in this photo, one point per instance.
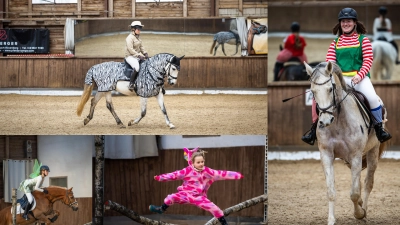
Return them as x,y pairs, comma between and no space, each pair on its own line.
171,126
363,216
130,123
122,126
86,121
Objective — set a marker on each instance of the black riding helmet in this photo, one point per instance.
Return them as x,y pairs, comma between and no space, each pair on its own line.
295,27
347,13
382,10
44,167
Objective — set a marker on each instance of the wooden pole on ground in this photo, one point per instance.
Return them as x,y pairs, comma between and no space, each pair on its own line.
14,205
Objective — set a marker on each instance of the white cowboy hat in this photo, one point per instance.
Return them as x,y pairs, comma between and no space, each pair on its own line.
136,23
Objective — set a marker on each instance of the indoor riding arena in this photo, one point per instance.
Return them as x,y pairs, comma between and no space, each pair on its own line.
297,186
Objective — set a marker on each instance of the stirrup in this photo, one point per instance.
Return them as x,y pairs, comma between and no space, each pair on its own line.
131,87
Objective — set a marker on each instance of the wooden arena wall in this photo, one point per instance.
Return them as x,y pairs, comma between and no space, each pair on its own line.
196,72
288,121
13,147
130,182
326,12
24,14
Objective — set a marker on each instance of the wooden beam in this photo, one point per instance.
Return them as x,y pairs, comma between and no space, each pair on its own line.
216,7
133,8
185,8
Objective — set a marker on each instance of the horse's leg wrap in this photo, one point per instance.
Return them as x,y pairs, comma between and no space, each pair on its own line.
53,219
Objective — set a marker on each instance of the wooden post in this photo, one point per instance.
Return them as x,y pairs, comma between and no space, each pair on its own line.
99,180
217,8
79,8
185,8
7,147
266,181
30,9
133,8
240,7
110,8
14,205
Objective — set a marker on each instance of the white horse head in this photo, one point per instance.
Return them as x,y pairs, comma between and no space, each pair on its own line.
173,68
324,88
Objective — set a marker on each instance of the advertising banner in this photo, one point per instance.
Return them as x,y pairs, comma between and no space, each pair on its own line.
24,41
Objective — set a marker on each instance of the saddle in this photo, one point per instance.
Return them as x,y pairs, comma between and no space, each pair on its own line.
128,68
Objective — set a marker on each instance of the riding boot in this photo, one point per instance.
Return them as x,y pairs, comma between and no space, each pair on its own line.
397,51
381,134
310,136
26,211
131,86
159,209
277,68
222,220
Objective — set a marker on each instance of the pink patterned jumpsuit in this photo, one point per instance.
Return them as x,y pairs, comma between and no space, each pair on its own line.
195,185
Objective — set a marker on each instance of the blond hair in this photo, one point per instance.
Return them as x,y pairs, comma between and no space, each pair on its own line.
198,153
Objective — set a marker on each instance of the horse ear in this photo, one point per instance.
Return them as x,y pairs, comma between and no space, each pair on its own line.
329,67
181,57
308,69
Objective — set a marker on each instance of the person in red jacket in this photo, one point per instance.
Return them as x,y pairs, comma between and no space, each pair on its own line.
294,45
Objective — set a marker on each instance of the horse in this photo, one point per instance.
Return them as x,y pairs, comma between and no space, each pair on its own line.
384,59
228,37
294,70
111,76
347,137
44,207
255,28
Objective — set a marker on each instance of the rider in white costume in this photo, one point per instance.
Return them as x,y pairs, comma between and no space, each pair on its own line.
34,184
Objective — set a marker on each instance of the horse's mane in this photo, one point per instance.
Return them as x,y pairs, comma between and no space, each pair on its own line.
57,187
336,71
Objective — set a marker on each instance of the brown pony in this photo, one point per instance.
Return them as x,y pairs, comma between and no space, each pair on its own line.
255,28
44,206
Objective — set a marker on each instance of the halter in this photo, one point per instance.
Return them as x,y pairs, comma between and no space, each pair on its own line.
70,203
333,104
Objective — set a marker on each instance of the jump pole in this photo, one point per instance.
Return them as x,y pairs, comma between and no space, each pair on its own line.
14,206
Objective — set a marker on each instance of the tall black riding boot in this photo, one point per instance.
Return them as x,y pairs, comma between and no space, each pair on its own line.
222,220
277,68
26,211
381,134
131,86
310,136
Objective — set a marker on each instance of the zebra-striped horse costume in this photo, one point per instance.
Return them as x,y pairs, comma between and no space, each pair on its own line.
110,76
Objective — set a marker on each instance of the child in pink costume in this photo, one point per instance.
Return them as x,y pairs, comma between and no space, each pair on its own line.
197,179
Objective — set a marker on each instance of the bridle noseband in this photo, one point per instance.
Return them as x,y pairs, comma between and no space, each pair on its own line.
69,203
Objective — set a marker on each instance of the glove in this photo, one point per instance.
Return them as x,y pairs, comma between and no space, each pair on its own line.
141,57
45,191
146,55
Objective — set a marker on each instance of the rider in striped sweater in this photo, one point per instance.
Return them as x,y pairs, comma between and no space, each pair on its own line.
352,52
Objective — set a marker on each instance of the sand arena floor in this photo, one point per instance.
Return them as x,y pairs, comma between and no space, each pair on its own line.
298,195
191,114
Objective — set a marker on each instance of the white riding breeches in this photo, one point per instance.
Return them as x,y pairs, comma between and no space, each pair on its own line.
30,197
134,62
365,87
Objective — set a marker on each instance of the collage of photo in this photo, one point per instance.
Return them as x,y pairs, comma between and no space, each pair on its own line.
199,112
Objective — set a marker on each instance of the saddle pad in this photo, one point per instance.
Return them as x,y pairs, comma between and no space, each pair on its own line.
362,106
21,210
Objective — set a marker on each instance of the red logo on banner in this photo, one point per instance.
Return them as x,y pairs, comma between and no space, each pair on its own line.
3,35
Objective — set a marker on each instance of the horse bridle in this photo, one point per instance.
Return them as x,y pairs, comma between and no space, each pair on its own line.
333,104
70,203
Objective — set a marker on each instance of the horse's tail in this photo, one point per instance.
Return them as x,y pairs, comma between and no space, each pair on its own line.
87,92
212,47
